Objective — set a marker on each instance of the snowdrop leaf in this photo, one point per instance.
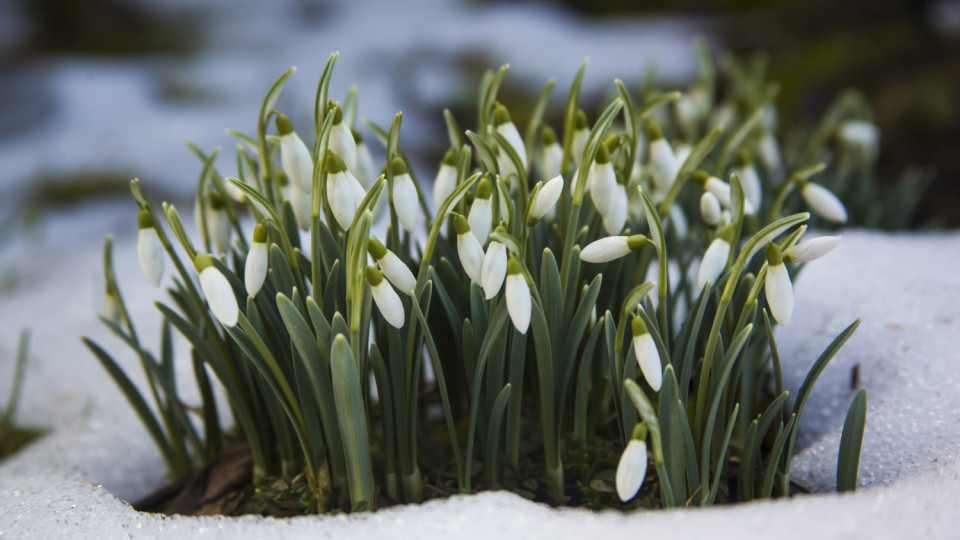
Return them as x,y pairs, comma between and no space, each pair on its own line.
851,441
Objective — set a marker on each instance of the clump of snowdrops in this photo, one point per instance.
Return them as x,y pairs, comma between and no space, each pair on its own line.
580,313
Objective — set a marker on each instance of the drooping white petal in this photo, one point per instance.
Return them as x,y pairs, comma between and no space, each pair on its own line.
779,292
480,219
679,221
682,151
296,160
219,294
663,165
218,227
547,197
405,201
713,262
710,209
150,255
518,302
605,249
616,216
343,144
648,358
255,269
300,202
632,469
769,151
366,171
603,182
824,203
510,133
471,256
493,269
397,273
111,308
579,143
860,134
752,189
389,304
444,184
812,249
505,164
720,189
345,195
552,160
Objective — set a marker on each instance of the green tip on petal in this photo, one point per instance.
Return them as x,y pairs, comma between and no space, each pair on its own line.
357,137
283,179
484,189
374,276
580,120
461,225
638,326
283,124
603,155
376,249
398,167
653,131
774,257
450,158
513,267
500,115
701,177
202,261
639,432
548,135
144,221
743,158
260,234
726,233
337,114
335,164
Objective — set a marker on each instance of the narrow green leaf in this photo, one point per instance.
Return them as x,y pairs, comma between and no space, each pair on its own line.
851,441
352,421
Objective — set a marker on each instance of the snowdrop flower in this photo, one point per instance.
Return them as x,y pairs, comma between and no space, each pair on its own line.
715,258
648,358
552,153
778,288
344,191
861,135
405,200
710,209
480,216
217,290
612,247
545,199
446,180
664,164
111,308
366,171
616,217
393,268
679,221
294,155
149,249
469,249
301,204
749,180
682,152
723,115
721,190
506,128
632,468
518,296
602,181
255,269
341,140
580,133
218,224
493,269
505,165
823,202
769,151
387,300
811,249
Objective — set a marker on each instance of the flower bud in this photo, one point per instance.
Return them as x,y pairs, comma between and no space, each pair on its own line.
469,249
715,259
341,140
405,201
581,131
255,269
366,171
612,247
518,296
778,288
546,198
493,268
480,216
632,467
664,165
392,267
552,153
823,202
710,209
812,249
506,128
149,249
217,290
294,155
446,180
386,298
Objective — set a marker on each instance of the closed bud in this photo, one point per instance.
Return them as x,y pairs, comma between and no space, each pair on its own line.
149,249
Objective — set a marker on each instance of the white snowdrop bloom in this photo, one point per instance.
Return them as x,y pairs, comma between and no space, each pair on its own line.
446,181
581,131
218,224
612,247
823,202
505,165
111,308
861,135
778,288
679,221
294,155
632,469
546,198
812,249
493,269
301,204
648,358
506,128
387,300
217,290
344,192
602,181
688,107
616,217
664,164
769,151
552,153
341,140
405,201
255,269
469,249
710,209
480,216
749,179
721,190
393,268
682,151
149,249
715,258
366,171
518,296
723,115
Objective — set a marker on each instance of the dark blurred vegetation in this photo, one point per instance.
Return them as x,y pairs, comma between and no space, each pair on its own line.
904,55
